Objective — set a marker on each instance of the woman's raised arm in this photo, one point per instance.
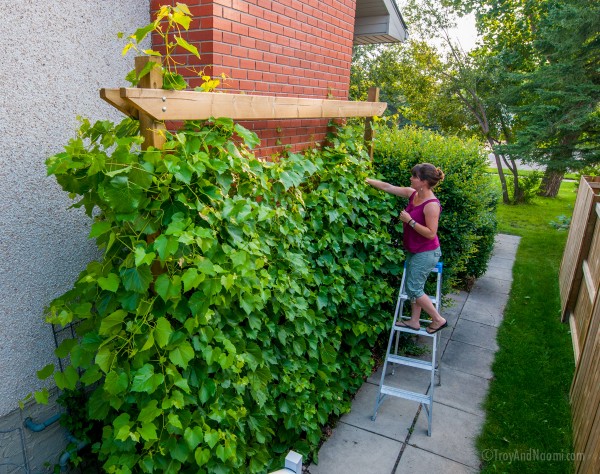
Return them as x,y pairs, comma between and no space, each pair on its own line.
390,188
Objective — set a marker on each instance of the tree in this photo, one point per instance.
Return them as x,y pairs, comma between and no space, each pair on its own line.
548,55
530,90
468,86
563,119
404,74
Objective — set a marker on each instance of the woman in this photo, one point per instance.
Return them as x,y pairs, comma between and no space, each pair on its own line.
420,218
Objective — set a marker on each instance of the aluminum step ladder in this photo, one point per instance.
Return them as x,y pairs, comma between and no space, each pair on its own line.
426,400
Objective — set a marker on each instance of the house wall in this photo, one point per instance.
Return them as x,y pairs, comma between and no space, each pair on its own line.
57,54
280,47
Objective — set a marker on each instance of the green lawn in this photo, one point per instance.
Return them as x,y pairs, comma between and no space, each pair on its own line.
528,418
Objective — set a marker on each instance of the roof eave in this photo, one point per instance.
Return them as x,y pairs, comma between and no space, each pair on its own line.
379,21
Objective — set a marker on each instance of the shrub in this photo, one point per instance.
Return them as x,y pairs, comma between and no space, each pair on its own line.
529,187
468,198
236,303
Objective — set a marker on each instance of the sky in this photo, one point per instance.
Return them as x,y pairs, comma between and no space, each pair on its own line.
466,33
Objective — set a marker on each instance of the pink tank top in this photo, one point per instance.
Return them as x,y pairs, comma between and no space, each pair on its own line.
413,241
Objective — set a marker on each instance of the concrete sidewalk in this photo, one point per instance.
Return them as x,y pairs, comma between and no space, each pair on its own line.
397,441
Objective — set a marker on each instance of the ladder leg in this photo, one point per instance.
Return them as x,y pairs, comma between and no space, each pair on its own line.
397,338
435,359
438,307
387,353
432,383
429,419
377,402
398,317
438,367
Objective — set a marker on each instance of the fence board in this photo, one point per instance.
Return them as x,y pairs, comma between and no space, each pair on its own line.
593,451
588,449
590,461
580,298
593,257
581,314
578,240
585,396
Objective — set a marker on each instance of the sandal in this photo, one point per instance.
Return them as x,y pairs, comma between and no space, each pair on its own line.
402,324
430,330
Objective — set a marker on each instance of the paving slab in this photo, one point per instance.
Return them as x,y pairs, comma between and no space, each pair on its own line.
491,285
506,241
394,418
49,443
504,250
451,316
11,421
496,300
455,303
504,262
499,273
443,340
408,378
476,334
482,313
460,390
353,450
12,450
418,461
469,359
453,434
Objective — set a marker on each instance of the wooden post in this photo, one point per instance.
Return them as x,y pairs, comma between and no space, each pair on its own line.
152,130
372,97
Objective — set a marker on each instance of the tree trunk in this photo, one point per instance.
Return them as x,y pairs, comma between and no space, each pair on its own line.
505,198
551,183
556,168
518,195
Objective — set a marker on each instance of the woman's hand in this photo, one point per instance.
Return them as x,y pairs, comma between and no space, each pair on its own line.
405,216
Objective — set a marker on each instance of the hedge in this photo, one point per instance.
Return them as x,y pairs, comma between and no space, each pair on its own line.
468,196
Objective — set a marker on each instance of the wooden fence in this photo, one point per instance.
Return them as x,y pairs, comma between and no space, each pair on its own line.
579,281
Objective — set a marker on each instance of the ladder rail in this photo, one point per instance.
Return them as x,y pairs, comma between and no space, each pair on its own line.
399,302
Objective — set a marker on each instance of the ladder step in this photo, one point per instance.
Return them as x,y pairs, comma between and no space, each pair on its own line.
420,364
398,392
420,332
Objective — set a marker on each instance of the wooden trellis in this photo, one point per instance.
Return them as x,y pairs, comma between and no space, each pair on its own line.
154,105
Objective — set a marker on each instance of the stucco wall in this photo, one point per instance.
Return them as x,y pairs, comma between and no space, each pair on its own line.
56,56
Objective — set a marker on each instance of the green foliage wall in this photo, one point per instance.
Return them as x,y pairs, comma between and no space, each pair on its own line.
468,197
237,301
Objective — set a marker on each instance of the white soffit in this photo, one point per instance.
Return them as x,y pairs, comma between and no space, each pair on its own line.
378,21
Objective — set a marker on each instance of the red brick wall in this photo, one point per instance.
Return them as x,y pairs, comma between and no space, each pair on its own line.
300,48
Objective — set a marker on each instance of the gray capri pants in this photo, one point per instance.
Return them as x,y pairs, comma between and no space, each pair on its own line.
418,267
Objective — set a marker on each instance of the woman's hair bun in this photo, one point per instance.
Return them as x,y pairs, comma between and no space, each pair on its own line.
440,173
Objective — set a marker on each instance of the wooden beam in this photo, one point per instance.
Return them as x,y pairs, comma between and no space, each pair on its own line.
152,129
190,105
113,97
372,97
